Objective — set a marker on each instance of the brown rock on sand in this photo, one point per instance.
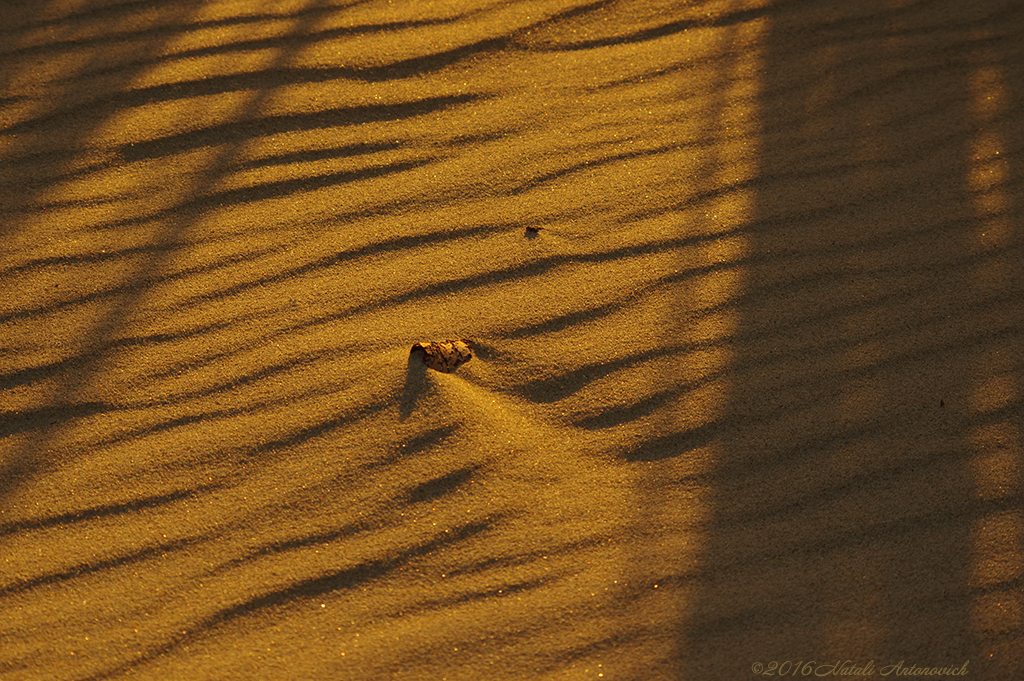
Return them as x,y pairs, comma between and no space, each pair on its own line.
445,356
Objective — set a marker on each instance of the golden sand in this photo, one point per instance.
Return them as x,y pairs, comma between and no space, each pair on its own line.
749,402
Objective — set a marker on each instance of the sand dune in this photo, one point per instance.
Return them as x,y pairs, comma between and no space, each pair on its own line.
752,395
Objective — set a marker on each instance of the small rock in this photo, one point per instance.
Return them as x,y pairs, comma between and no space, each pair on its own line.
445,356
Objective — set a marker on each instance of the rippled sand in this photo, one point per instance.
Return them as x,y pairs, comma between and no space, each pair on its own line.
752,395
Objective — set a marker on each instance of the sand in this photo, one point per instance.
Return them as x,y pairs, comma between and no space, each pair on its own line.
750,401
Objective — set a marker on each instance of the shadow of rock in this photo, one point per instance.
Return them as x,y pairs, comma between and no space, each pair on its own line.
415,381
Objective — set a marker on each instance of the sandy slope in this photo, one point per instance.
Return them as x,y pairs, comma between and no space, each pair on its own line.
753,394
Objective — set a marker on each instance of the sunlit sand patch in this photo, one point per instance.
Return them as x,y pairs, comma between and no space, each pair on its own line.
999,607
989,175
998,536
996,467
680,514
